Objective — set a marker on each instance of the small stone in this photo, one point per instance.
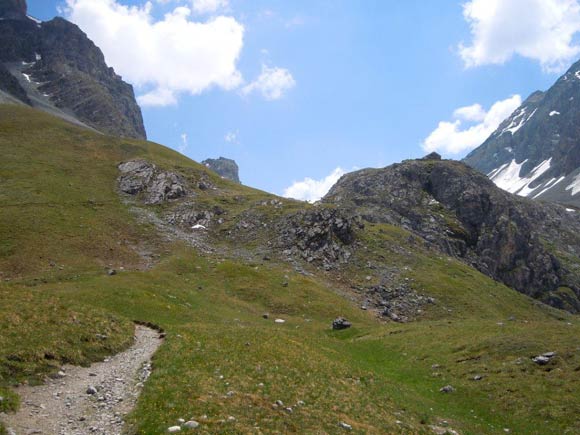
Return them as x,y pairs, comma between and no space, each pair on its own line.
231,418
61,374
279,403
191,424
279,321
91,390
174,429
541,360
477,377
344,425
289,410
300,403
111,272
447,389
181,420
266,316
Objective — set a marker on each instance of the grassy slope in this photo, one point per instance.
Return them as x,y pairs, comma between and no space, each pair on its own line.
61,223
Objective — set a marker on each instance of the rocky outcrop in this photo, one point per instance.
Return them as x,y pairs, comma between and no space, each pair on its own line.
226,168
60,70
462,213
324,236
154,186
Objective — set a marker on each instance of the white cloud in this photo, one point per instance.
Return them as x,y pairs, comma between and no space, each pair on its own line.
470,113
312,190
231,137
208,6
272,83
170,56
454,138
541,30
183,146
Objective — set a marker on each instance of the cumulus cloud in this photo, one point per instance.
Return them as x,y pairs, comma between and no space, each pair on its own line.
454,137
470,113
168,57
272,83
541,30
208,6
312,190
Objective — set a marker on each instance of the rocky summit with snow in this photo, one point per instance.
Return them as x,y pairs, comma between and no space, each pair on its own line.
55,67
536,151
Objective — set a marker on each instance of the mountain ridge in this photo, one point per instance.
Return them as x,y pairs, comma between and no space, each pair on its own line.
536,151
54,66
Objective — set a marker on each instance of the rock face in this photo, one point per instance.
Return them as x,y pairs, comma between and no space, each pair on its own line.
322,236
536,151
55,67
460,212
226,168
155,186
13,9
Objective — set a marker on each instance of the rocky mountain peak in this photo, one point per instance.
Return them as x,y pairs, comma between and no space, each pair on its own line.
13,9
226,168
536,151
55,67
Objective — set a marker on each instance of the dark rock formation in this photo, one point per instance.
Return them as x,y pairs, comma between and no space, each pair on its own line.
322,236
462,213
13,9
58,69
226,168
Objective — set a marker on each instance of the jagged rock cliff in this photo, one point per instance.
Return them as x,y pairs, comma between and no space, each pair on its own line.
531,247
226,168
55,67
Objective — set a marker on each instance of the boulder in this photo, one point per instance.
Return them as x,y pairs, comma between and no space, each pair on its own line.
340,323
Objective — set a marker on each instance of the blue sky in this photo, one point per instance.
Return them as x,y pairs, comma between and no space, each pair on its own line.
364,83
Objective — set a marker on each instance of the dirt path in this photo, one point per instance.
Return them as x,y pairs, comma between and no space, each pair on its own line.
69,405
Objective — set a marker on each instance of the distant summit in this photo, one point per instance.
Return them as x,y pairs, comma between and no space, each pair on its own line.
536,151
55,67
226,168
13,9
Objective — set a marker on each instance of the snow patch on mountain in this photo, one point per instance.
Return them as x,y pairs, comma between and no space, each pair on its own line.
554,112
507,177
547,186
518,121
575,186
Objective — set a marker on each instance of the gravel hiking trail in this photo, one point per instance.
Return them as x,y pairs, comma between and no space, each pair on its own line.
87,400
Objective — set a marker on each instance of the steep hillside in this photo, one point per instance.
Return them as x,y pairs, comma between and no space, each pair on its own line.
529,246
536,151
205,259
55,67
